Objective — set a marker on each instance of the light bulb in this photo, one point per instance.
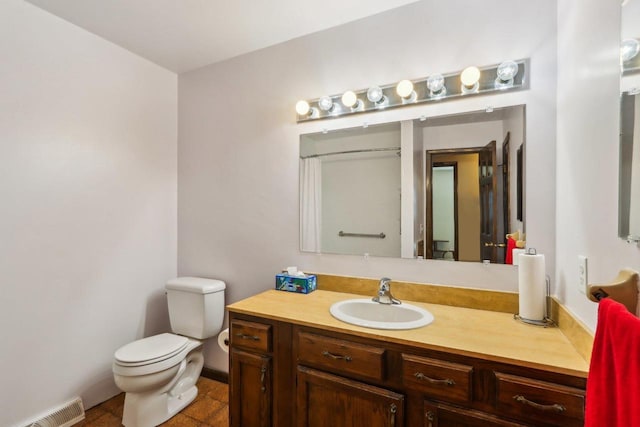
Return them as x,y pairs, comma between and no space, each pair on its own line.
507,70
435,84
302,108
349,99
325,103
404,88
470,76
629,49
375,95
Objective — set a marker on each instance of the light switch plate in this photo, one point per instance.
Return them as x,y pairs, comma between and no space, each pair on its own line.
583,277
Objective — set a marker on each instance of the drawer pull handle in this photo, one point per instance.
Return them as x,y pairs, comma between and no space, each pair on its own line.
247,337
556,407
446,381
393,409
263,372
336,356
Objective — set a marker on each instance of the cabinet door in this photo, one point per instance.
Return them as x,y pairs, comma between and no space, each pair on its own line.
329,400
251,394
441,415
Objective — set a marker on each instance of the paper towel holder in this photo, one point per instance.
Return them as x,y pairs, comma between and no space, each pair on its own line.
547,321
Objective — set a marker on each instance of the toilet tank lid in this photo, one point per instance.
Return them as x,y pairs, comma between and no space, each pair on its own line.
196,285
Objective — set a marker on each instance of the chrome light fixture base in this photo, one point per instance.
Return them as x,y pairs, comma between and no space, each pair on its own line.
378,98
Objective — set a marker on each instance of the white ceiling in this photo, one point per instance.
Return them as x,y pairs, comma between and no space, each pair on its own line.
182,35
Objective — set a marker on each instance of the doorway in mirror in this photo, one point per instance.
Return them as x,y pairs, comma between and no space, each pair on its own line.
486,190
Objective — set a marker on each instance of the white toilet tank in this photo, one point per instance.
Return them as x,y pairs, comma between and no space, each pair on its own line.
196,306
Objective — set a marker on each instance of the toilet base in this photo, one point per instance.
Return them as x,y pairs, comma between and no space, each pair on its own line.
151,408
143,410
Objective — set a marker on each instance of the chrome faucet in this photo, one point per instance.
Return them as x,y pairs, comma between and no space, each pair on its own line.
384,293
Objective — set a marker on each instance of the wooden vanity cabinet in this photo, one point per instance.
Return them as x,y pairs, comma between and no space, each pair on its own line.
261,381
319,378
252,379
344,357
325,399
340,391
527,398
438,379
441,415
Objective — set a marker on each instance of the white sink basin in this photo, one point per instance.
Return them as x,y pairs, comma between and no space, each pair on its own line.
369,314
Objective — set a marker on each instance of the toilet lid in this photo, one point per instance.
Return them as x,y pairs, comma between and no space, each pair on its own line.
151,350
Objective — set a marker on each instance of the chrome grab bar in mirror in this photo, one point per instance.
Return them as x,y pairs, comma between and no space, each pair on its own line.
343,234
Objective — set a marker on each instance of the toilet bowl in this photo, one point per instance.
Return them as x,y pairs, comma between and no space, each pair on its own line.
159,373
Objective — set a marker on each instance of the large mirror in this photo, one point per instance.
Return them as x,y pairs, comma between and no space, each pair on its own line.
629,209
448,188
629,192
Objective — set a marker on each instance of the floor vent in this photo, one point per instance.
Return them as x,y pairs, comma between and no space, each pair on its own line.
64,416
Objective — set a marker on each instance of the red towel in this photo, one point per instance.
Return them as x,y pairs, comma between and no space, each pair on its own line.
511,245
613,384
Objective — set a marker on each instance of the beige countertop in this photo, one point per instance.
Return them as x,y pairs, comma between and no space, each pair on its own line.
489,335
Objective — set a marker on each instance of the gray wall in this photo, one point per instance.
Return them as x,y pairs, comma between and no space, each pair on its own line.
238,140
88,218
587,152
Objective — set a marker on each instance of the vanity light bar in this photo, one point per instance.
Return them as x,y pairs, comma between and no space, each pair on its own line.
376,98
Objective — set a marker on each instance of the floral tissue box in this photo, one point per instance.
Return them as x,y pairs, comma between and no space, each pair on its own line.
301,284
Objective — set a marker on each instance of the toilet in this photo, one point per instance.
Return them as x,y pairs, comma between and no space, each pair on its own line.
159,373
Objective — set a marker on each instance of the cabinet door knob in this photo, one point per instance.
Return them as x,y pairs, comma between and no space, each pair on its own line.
446,381
431,416
392,410
556,407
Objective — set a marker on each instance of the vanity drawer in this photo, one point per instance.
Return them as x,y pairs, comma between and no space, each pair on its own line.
535,400
251,335
438,379
341,356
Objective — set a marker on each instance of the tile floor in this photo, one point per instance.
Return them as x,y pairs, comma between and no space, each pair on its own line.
209,409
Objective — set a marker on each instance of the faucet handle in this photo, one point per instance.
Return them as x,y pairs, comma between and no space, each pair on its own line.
384,293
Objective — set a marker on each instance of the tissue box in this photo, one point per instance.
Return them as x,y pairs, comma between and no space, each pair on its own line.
303,285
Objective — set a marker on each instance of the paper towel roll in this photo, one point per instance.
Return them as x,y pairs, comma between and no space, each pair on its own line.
516,253
223,340
531,286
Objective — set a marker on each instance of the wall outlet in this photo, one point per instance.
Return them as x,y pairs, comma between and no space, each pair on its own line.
583,277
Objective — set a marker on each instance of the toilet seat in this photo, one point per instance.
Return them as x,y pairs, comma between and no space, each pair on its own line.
152,354
150,350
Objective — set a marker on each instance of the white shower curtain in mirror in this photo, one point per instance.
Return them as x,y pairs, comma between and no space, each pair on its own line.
310,204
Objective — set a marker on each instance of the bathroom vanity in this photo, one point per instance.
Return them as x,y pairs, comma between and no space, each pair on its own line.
293,364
